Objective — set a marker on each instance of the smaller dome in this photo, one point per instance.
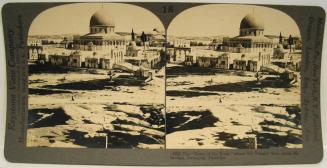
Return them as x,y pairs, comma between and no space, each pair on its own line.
279,48
251,22
133,45
102,18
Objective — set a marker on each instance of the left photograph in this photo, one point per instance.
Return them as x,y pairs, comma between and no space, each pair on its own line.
96,77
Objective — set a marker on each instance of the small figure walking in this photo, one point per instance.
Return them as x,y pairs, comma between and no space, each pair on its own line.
73,99
220,100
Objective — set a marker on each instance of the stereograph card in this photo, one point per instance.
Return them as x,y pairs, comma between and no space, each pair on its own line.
163,83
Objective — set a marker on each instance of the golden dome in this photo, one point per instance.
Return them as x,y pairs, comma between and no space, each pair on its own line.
251,22
101,18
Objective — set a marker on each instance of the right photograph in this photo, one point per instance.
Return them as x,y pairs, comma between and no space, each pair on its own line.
233,79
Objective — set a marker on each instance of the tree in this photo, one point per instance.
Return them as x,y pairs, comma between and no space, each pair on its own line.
133,35
290,42
143,38
280,38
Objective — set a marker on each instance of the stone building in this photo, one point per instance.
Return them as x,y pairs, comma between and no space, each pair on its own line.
251,50
32,41
66,43
179,43
215,44
132,50
251,62
148,59
59,60
207,61
104,60
226,60
251,37
100,48
34,52
76,60
102,35
178,49
279,52
178,54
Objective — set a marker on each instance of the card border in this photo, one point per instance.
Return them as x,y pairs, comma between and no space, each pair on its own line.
15,152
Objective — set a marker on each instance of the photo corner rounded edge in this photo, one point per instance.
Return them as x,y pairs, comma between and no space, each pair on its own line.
318,157
9,155
322,10
4,5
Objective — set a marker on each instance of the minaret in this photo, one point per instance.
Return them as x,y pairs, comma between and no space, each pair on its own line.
280,38
133,35
290,42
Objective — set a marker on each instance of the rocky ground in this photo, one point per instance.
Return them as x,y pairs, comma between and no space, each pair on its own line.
205,109
214,109
82,108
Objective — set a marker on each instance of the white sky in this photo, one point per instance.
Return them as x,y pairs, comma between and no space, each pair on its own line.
205,20
75,18
224,19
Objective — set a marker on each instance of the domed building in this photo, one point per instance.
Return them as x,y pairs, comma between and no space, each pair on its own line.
102,34
102,22
251,37
279,52
132,50
101,47
251,25
251,49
